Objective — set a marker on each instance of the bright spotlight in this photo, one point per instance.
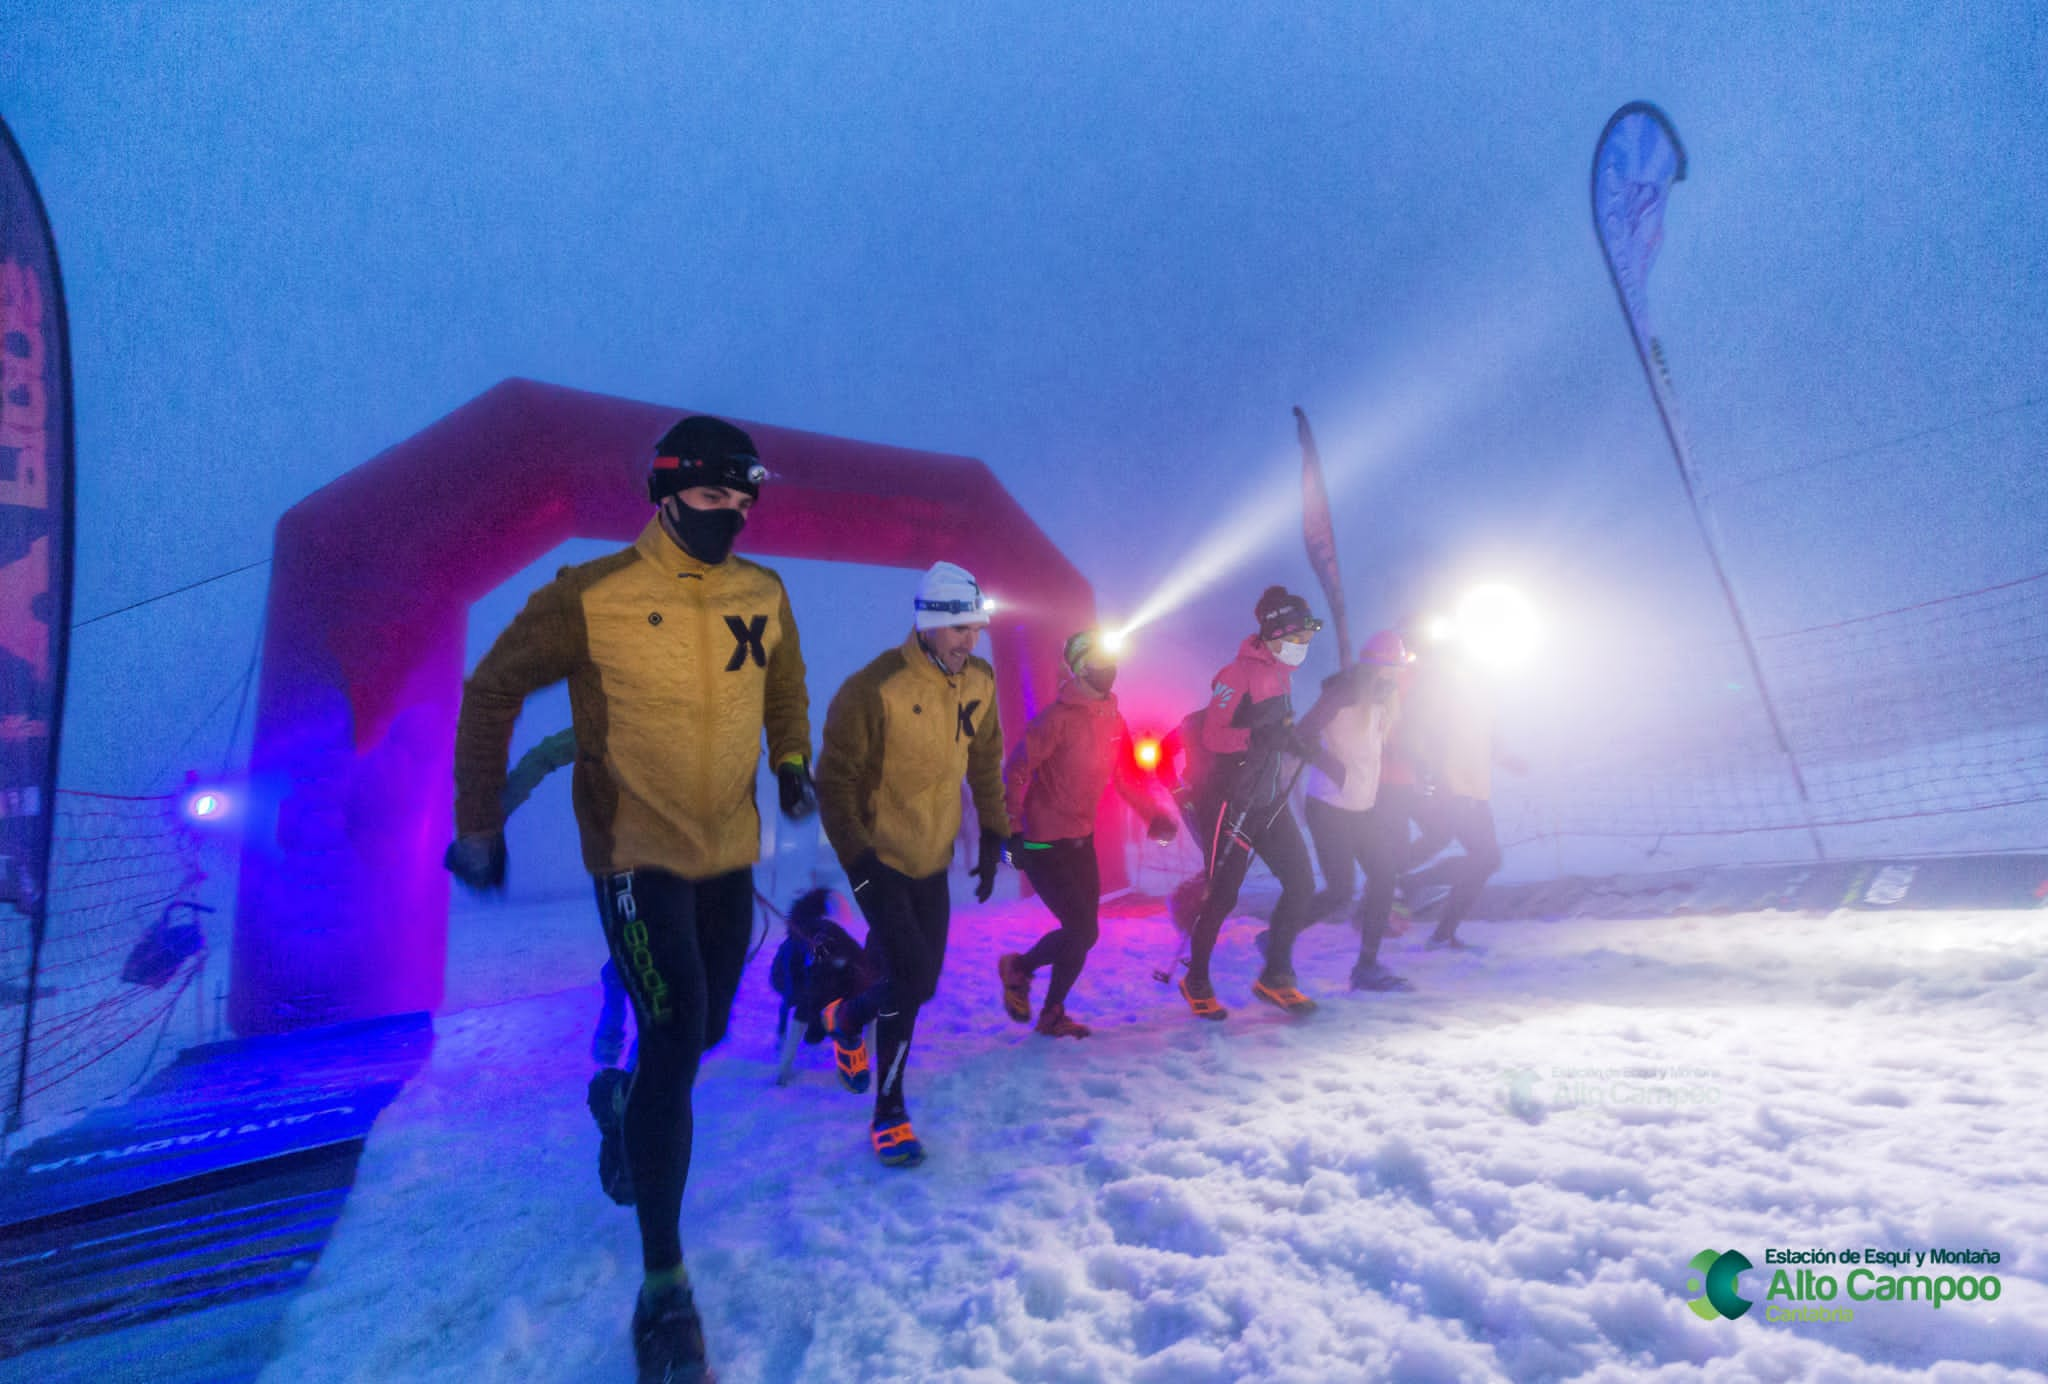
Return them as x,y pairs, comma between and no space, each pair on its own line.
1439,629
1498,626
1146,751
206,805
1113,641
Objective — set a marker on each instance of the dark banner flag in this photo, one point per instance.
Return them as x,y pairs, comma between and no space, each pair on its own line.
1635,163
1319,536
35,548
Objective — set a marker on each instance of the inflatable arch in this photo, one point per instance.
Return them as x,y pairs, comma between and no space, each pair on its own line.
342,905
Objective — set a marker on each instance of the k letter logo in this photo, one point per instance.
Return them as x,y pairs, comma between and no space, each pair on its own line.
1717,1276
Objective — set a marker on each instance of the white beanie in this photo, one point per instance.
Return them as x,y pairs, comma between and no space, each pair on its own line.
949,595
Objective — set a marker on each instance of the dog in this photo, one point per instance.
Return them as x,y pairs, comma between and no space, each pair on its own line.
817,963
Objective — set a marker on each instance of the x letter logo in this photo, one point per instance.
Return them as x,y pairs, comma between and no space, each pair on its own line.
746,642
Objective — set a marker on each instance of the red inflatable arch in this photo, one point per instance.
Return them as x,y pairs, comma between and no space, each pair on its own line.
342,909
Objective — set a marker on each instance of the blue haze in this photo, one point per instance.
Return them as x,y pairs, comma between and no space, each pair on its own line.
1105,253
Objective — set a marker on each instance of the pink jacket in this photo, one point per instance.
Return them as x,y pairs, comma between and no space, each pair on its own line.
1253,676
1068,755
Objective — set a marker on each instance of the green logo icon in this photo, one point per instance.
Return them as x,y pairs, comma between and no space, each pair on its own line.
1717,1277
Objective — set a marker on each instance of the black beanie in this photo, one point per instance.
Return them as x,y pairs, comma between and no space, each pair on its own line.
1281,612
702,450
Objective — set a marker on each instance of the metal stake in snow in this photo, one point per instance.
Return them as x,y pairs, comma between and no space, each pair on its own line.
1635,163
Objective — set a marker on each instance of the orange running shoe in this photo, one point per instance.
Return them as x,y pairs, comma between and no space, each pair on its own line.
851,1061
896,1145
1281,994
1054,1023
1204,1003
1016,986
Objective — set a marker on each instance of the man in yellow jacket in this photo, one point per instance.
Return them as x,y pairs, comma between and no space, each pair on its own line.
899,736
678,656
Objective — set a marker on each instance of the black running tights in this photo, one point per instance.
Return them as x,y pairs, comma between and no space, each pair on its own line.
679,946
1066,876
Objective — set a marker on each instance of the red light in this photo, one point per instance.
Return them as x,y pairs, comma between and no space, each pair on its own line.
1147,753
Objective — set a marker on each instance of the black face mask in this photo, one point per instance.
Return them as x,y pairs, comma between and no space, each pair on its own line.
705,534
1101,679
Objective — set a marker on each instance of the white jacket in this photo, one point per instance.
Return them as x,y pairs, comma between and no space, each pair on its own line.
1354,738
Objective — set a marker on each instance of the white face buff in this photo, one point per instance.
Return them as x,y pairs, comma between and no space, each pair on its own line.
1293,655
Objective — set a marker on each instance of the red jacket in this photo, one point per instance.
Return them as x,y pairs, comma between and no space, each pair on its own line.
1253,676
1069,754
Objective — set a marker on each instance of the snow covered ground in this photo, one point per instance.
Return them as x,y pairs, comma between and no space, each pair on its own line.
1448,1185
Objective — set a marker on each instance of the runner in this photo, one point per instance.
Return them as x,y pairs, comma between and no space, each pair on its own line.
1249,726
1053,785
1351,829
664,794
899,736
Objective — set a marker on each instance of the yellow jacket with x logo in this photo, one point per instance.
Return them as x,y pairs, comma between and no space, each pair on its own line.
675,667
899,737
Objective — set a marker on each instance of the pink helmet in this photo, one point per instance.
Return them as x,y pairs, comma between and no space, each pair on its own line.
1387,650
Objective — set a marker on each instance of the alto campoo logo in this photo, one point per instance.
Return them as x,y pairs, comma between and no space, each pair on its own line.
1717,1284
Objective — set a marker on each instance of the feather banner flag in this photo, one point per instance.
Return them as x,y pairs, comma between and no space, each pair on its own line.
1319,535
35,559
1635,163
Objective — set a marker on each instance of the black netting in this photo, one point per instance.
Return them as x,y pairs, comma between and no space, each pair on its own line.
1935,711
121,949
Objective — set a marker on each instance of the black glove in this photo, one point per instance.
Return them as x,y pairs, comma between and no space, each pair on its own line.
478,861
1014,850
799,794
985,865
1163,829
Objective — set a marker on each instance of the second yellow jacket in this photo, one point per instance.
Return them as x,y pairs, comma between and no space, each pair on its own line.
899,737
